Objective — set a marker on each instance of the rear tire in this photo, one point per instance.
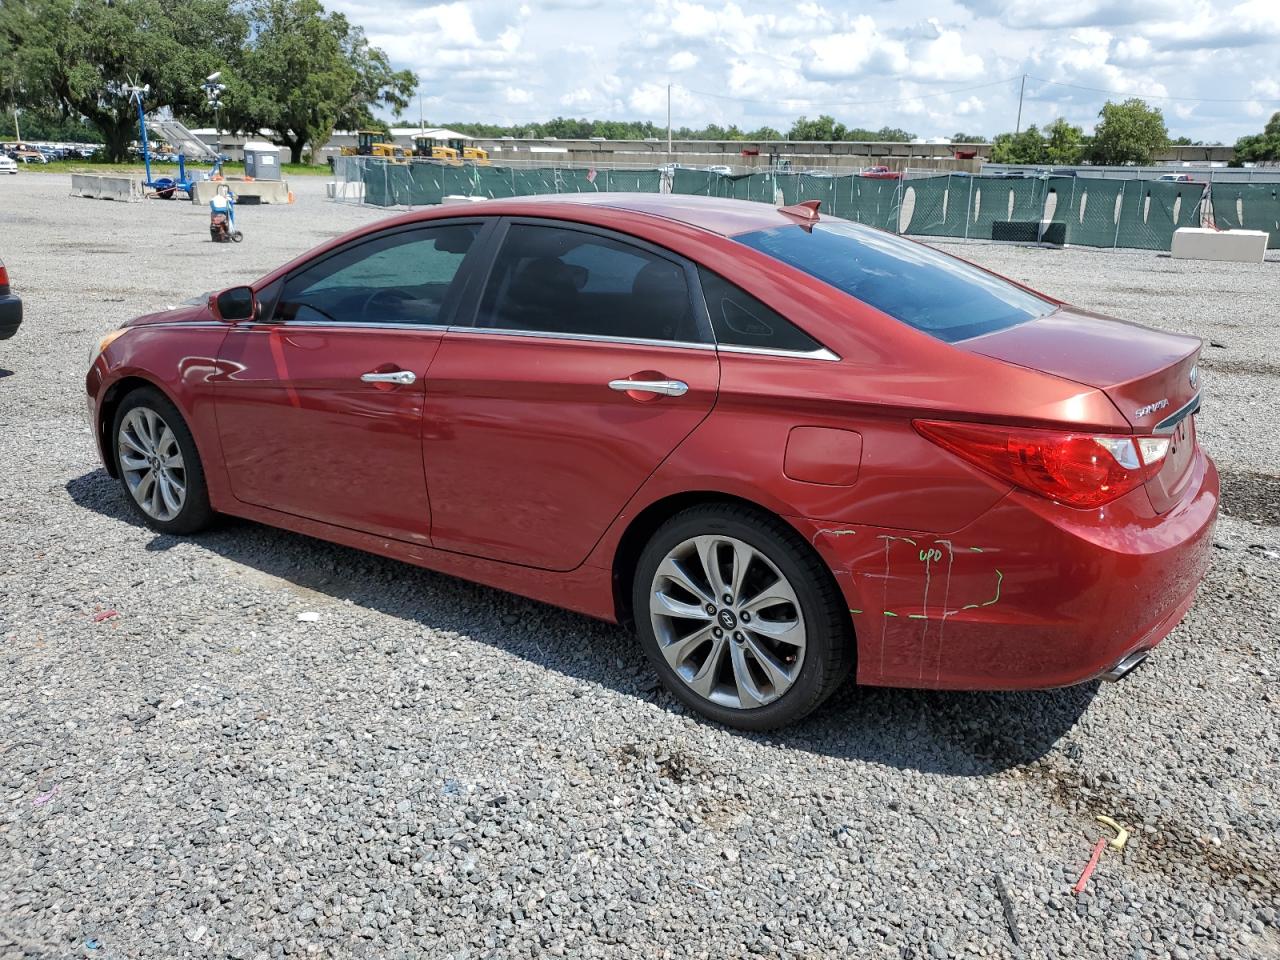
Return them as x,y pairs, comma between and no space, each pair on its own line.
158,464
741,619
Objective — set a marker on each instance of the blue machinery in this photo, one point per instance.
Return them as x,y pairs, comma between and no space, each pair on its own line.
185,142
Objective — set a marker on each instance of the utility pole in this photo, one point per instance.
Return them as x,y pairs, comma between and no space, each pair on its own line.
421,123
668,123
17,131
1021,90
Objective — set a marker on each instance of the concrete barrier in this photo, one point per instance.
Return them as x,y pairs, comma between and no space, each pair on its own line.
455,198
265,191
344,190
1238,246
96,187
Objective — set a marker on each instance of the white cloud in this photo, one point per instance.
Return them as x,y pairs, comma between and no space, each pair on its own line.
857,51
944,58
681,60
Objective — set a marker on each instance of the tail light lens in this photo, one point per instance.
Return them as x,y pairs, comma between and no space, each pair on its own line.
4,275
1077,469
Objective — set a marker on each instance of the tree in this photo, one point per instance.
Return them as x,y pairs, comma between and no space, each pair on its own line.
1128,133
73,58
307,71
377,85
1025,147
42,123
824,128
1259,147
883,135
1064,143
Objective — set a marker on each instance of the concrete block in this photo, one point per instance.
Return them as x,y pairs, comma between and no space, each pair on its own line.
344,190
266,191
455,198
96,187
1238,246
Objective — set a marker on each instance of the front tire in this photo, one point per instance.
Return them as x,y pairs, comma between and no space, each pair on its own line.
158,464
740,617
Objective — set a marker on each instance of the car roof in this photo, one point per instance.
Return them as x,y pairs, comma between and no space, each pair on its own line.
715,214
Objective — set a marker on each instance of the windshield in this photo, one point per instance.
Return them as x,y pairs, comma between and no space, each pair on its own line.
937,294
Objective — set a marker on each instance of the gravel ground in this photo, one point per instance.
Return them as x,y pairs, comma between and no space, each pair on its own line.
435,769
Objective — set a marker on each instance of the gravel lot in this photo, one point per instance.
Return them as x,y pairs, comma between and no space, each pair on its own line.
435,769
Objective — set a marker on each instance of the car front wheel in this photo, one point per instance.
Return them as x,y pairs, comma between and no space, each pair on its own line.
741,619
159,465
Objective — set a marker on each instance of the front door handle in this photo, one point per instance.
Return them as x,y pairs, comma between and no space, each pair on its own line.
402,377
667,388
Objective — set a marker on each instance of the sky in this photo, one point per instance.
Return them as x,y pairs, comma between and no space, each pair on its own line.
932,67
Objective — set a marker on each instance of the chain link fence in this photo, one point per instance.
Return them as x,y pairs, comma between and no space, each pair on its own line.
1062,210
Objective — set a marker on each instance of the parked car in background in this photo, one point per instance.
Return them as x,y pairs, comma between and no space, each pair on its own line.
781,445
8,164
30,156
10,306
1175,178
720,168
881,173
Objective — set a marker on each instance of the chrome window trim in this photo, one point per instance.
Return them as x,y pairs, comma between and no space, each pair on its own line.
584,337
181,324
339,325
822,353
1170,423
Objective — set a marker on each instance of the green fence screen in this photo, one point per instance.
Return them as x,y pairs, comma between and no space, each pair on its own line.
1248,206
1084,211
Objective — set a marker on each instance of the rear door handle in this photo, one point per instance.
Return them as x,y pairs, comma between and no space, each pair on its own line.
402,377
667,388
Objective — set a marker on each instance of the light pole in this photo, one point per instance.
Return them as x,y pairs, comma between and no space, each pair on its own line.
213,95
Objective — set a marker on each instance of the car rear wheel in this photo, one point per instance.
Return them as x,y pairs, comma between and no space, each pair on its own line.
741,619
158,464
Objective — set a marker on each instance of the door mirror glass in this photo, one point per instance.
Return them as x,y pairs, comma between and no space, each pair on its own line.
238,303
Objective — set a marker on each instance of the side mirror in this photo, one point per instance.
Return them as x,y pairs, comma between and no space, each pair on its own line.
238,303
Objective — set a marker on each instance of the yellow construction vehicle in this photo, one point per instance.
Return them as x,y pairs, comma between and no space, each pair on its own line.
429,148
370,143
449,150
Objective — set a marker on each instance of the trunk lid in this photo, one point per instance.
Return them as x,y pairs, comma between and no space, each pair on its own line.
1151,376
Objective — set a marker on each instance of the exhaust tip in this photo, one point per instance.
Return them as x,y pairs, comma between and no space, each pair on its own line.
1125,665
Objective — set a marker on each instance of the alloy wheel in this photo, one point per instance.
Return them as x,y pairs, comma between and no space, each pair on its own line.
151,463
728,622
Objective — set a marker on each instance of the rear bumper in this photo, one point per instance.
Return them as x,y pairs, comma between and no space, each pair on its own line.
1030,595
10,315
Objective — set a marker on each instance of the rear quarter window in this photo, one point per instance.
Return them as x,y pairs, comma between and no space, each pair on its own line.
930,291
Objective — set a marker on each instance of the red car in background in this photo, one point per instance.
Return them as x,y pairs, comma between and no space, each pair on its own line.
10,306
881,173
780,445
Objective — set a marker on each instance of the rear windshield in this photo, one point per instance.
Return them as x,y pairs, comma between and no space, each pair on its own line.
937,294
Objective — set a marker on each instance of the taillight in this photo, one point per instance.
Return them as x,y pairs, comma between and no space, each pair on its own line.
4,275
1077,469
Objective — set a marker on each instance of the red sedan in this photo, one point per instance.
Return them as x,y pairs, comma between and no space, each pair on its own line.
781,446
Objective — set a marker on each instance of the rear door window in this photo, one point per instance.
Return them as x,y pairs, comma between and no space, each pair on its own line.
930,291
553,280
